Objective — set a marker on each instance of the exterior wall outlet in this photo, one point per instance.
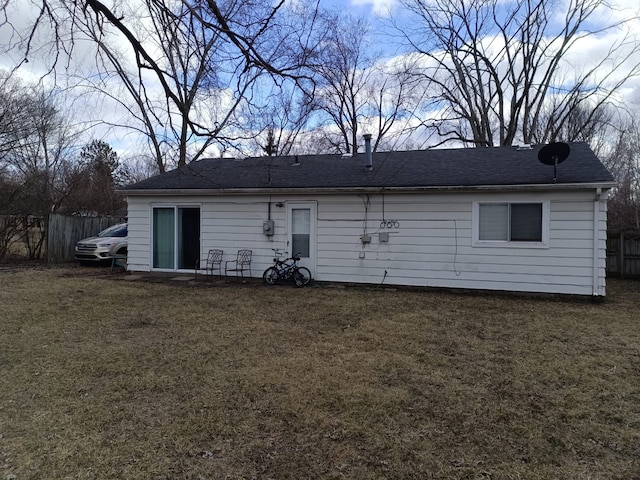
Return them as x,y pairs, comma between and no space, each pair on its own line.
361,255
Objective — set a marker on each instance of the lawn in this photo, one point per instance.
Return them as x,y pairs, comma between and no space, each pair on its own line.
107,378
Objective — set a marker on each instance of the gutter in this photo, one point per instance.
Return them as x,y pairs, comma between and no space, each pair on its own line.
361,190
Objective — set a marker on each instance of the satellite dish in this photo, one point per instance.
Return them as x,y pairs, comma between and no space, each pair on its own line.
554,154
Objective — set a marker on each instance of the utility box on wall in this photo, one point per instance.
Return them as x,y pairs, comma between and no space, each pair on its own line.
365,238
268,227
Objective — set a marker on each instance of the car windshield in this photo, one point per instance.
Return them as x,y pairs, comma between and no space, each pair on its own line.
114,231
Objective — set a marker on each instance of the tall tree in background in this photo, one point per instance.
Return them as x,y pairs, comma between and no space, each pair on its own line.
14,113
357,91
395,95
342,76
621,155
499,69
94,178
33,170
276,126
206,58
41,151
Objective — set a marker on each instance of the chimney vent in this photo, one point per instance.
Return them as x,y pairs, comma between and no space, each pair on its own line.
367,152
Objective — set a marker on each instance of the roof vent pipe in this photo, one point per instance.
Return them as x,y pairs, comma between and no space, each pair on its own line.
367,152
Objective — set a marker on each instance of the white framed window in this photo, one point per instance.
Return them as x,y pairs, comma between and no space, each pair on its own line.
517,224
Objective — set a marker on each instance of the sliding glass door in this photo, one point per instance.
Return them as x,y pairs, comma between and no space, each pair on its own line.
188,237
176,237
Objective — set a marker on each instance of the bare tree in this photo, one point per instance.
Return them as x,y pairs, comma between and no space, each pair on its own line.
394,95
342,76
42,147
499,71
622,157
9,224
206,58
358,92
136,168
34,171
276,125
13,113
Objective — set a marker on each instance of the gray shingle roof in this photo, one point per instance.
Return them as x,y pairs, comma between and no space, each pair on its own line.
438,168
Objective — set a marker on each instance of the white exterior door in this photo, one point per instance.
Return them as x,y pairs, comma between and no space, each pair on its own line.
301,236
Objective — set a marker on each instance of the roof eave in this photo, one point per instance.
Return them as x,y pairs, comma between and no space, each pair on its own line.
378,189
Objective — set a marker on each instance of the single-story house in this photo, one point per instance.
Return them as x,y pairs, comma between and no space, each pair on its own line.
474,218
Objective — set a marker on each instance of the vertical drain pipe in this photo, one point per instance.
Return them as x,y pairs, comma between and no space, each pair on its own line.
367,152
596,234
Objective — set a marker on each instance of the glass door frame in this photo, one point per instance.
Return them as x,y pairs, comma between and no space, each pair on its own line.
177,242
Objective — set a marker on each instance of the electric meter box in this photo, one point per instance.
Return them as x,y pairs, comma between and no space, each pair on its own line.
268,227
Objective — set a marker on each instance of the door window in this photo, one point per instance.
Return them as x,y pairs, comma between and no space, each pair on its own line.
301,231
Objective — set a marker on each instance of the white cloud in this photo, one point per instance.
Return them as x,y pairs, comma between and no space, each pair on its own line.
382,8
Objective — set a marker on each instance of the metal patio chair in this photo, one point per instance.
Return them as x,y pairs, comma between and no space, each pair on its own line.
241,264
212,263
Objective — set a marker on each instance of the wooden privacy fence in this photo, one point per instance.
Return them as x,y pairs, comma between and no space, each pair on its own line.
623,254
65,231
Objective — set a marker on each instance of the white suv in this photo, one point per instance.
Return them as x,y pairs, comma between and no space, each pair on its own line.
109,242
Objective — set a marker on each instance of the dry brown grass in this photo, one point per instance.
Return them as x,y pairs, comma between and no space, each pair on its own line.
102,378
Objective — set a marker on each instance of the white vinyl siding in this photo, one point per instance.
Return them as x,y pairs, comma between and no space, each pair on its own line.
431,239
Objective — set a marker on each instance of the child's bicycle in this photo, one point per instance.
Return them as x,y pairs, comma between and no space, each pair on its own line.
286,269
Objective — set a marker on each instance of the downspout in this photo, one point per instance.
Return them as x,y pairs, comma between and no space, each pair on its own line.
596,234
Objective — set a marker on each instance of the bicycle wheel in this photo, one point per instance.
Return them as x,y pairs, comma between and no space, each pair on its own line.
306,274
301,276
298,279
270,276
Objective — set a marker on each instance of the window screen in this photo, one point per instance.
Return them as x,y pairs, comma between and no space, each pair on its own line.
494,221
